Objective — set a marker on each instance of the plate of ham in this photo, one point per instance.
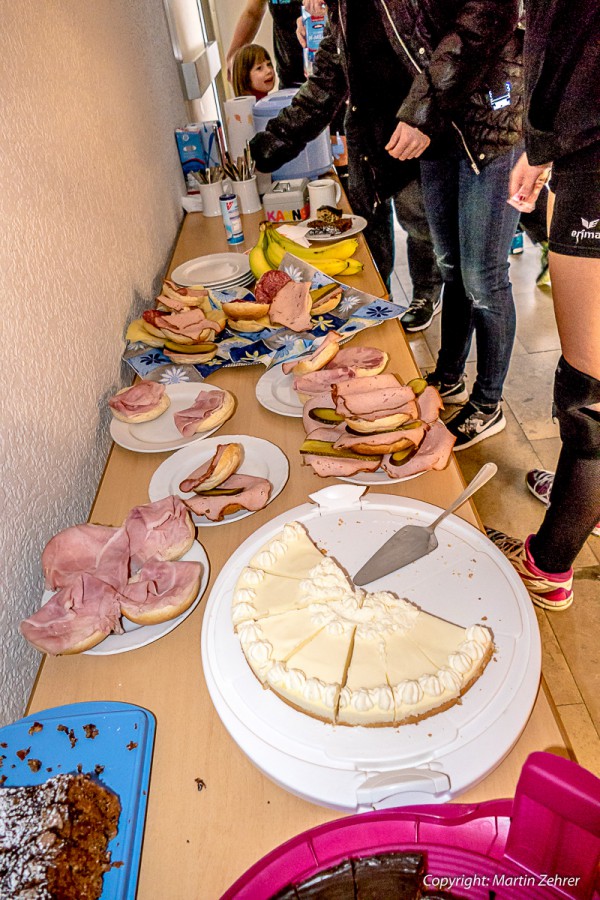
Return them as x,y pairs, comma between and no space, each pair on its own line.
165,432
223,479
112,589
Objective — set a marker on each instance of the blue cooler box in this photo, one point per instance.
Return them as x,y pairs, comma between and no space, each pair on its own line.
316,157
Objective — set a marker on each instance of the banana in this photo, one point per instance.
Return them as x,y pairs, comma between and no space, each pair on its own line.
342,250
259,264
331,267
354,267
274,253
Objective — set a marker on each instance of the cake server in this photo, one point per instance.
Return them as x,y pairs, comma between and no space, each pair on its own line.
414,541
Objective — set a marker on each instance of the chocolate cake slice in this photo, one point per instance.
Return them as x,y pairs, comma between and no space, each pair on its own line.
336,883
397,875
54,838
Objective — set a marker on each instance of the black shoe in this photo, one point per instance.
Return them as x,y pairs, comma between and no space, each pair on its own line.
472,425
420,313
451,393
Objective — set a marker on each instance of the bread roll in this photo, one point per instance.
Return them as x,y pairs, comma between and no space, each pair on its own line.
245,309
228,463
249,325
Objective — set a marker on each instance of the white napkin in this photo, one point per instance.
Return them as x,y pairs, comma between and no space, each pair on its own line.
295,233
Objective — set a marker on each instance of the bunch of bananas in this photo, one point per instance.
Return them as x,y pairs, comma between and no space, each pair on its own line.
333,259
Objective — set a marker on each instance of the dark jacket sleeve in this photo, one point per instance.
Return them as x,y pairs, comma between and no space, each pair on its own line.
459,63
312,110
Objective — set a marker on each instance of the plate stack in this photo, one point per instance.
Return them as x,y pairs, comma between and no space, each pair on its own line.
216,271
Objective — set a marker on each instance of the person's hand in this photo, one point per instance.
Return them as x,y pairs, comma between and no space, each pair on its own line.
407,142
525,183
301,32
315,7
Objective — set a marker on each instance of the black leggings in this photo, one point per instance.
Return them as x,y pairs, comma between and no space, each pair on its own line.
575,499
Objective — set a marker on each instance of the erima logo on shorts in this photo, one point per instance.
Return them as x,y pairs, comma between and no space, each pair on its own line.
586,232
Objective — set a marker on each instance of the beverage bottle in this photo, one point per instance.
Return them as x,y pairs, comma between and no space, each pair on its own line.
231,218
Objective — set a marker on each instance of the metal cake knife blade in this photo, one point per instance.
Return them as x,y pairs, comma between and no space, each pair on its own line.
414,541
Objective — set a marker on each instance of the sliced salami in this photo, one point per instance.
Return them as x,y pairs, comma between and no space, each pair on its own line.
269,284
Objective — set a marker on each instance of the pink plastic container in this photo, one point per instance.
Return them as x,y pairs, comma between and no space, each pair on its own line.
545,844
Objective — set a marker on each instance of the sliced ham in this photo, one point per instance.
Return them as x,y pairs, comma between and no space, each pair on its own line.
409,409
433,453
190,324
200,474
318,382
329,467
253,496
430,404
365,402
332,337
86,609
161,590
327,433
171,303
96,549
348,441
319,401
163,529
138,399
291,306
206,403
369,383
359,358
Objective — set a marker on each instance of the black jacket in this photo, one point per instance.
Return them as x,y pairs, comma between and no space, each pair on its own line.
448,52
562,51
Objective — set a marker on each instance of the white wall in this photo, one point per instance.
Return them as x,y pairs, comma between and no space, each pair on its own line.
90,188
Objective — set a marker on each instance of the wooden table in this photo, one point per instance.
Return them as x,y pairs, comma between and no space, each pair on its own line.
197,843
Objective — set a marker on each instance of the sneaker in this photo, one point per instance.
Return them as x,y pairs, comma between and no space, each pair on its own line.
543,279
540,482
420,313
517,244
450,393
472,425
547,590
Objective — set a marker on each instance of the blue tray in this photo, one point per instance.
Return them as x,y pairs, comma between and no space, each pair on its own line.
123,746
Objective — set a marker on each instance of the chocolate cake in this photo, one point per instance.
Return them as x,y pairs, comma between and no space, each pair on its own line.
54,838
386,875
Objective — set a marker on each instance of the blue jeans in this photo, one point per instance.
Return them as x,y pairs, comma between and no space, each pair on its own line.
472,227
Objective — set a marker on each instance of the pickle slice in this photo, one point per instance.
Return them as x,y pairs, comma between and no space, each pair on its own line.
323,448
221,492
416,423
402,456
319,293
418,385
323,414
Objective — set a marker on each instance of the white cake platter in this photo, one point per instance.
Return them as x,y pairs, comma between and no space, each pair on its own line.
467,581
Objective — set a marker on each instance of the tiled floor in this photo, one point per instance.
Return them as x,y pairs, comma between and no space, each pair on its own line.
571,648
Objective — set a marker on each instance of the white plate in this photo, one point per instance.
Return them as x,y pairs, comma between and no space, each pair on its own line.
161,434
261,458
275,392
216,268
358,225
465,580
136,636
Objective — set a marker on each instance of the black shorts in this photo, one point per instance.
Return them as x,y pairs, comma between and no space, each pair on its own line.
575,226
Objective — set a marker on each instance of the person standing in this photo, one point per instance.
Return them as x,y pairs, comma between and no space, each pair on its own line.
562,127
286,49
354,60
462,118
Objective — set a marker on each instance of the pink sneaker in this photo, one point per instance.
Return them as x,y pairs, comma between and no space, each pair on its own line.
547,590
540,482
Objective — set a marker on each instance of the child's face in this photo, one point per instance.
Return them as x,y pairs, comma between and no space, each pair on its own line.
262,76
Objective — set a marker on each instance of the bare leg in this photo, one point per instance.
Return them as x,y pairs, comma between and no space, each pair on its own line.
576,294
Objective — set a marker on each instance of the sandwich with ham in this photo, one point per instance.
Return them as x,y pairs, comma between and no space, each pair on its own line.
209,410
160,591
219,490
141,402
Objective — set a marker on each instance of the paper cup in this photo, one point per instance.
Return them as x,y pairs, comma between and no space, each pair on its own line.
247,194
323,192
210,194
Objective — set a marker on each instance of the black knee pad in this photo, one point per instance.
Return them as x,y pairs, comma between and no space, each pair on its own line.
574,392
